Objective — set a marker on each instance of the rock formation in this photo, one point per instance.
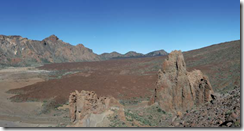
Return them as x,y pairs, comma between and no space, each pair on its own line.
19,51
88,110
177,89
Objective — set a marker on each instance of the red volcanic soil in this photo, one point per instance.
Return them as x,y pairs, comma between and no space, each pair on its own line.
121,79
135,77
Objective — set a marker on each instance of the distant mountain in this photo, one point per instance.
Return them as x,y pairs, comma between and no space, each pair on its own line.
106,56
157,53
131,54
19,51
116,55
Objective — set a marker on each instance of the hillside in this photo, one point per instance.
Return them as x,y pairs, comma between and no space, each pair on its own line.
220,62
19,51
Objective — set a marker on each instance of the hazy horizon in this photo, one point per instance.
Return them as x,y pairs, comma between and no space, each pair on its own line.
122,25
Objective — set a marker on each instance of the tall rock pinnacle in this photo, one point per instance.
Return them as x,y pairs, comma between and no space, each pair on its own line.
177,89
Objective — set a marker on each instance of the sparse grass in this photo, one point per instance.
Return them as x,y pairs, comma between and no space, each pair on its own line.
220,63
59,74
229,112
150,116
134,116
47,106
133,101
237,124
115,120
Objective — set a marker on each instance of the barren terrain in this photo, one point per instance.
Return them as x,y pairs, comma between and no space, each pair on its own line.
22,114
39,93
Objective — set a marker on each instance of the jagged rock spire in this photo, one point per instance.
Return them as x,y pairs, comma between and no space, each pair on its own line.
177,89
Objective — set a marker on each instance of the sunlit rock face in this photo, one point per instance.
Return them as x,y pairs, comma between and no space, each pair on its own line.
177,89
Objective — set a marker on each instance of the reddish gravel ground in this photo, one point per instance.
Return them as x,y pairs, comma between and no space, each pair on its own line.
118,78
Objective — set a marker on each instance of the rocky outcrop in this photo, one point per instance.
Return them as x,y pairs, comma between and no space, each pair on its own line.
19,51
89,110
223,111
177,89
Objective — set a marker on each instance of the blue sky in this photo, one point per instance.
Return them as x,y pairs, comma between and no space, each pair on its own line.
124,25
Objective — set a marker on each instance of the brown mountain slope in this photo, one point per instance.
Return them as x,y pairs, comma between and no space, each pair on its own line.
220,62
19,51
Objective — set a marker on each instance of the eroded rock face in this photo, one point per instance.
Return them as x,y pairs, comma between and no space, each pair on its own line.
87,109
177,89
16,50
200,86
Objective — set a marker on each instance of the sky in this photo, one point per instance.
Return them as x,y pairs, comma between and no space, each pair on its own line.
124,25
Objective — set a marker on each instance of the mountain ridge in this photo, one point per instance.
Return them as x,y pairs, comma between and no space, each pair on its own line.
16,50
20,51
132,54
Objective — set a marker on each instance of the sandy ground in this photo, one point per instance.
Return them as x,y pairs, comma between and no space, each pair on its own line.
23,114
